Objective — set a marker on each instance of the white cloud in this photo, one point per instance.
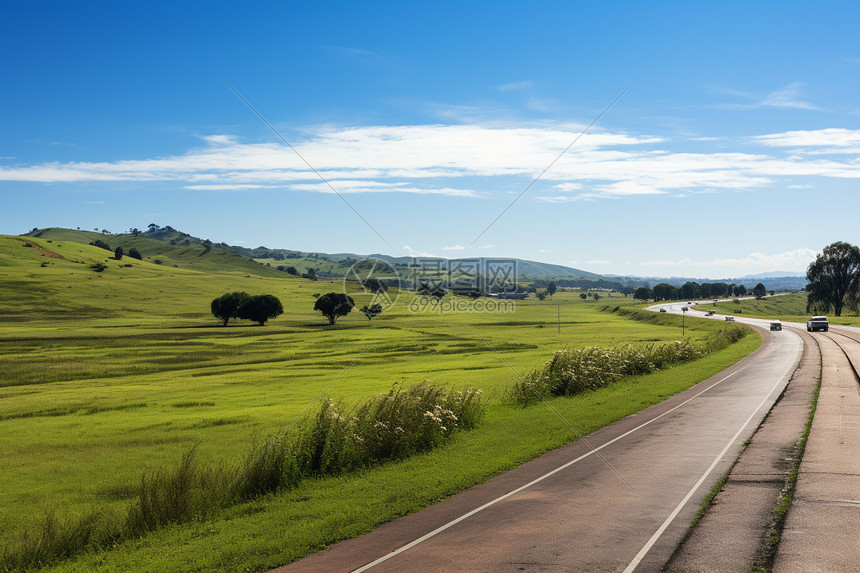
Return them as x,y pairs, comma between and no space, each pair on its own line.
413,253
796,260
486,246
418,159
454,248
544,250
228,187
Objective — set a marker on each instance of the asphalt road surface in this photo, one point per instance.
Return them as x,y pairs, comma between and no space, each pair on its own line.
619,500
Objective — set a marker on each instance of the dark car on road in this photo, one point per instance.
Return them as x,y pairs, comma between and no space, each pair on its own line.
776,325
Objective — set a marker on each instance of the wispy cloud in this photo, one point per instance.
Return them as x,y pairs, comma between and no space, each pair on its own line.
787,97
454,248
515,86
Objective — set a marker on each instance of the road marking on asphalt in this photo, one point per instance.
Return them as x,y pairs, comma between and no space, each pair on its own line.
644,551
566,465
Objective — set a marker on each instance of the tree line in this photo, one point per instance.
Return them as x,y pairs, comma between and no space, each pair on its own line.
692,290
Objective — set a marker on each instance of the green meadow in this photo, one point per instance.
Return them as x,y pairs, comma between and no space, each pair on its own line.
107,375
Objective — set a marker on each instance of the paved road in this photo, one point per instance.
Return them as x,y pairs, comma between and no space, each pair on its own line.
618,501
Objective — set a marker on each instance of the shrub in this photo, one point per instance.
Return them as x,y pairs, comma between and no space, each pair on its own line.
101,244
135,254
571,372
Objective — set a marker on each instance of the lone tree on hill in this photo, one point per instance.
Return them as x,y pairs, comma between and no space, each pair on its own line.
117,253
334,305
135,254
227,305
759,291
260,308
551,288
372,312
375,285
834,278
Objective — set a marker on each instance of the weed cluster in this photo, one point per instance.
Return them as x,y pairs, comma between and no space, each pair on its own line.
571,372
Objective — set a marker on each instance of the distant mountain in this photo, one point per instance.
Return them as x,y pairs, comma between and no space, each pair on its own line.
774,274
780,282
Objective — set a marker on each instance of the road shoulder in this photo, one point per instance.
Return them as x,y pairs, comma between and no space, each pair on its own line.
733,535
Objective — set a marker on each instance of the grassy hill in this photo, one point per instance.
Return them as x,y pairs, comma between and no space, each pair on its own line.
788,307
180,253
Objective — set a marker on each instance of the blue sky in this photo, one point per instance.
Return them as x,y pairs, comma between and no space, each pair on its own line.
736,150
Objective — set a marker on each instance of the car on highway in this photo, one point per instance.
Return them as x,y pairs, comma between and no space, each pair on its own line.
709,313
662,310
817,323
776,325
730,319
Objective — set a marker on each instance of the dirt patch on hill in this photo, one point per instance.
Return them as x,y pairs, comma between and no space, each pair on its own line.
47,253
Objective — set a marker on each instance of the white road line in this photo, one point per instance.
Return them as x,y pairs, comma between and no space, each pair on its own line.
674,514
453,522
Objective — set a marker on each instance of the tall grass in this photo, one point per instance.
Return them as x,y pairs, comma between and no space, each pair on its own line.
333,441
573,371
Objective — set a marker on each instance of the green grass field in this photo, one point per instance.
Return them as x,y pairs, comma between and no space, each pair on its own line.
108,375
787,307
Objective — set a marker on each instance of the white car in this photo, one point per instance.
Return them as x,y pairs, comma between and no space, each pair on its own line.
817,323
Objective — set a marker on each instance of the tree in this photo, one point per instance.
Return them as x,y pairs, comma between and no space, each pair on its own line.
642,293
689,290
117,253
541,294
583,295
596,296
227,305
551,288
372,312
375,285
260,308
759,291
292,271
334,305
135,254
311,274
665,291
834,277
741,290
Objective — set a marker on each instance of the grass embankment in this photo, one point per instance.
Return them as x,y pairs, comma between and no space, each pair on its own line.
786,307
112,375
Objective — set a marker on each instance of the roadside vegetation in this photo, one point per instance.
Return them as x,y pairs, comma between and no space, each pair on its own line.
332,442
115,375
